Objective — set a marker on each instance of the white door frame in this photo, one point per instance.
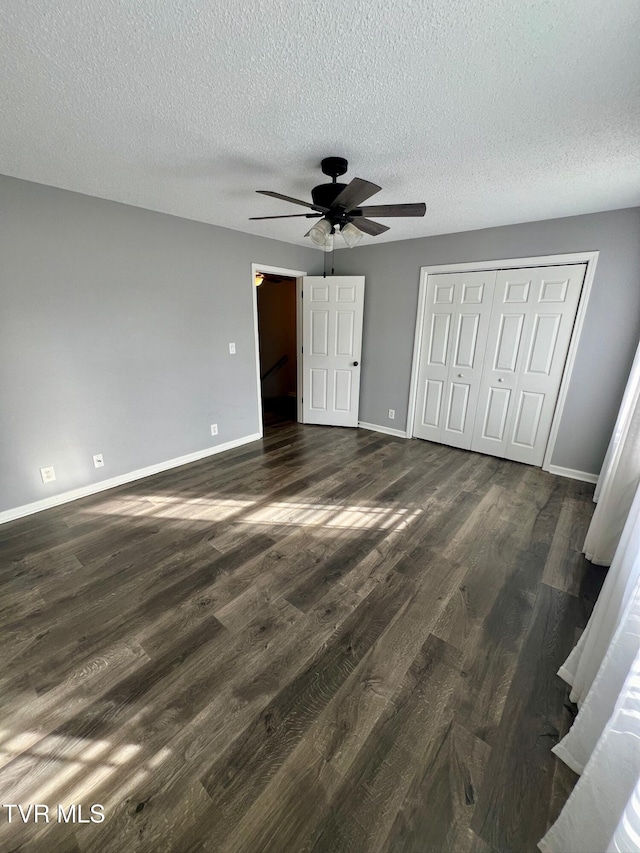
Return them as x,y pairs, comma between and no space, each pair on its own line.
588,258
297,274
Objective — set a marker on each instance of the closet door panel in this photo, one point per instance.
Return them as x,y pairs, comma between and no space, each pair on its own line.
494,419
454,336
529,334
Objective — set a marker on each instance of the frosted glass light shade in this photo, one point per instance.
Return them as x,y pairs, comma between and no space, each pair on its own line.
351,234
321,235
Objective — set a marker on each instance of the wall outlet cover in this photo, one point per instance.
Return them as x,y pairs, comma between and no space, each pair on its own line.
214,429
98,461
392,414
48,474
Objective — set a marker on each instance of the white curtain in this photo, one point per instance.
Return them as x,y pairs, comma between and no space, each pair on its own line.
603,811
619,477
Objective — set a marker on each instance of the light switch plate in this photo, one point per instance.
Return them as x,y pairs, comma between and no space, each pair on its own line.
232,349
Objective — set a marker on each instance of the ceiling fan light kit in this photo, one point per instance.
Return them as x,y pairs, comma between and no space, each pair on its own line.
338,205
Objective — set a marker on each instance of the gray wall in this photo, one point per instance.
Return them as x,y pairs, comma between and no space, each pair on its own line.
115,323
114,332
609,337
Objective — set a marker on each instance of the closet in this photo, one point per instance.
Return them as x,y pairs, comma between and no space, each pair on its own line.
492,355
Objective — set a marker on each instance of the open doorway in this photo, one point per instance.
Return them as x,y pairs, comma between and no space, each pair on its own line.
278,345
276,296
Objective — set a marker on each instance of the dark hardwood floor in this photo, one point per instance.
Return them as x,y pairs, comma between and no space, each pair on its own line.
330,640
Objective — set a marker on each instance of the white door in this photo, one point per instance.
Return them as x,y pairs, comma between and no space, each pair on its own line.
529,335
454,335
332,312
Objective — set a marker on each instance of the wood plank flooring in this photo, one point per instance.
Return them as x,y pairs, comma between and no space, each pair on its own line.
329,640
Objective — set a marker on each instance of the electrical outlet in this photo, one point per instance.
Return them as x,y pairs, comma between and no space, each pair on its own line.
392,414
98,461
48,474
232,349
214,429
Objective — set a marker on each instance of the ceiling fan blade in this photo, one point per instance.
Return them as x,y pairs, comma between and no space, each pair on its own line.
289,216
368,226
383,210
293,200
355,193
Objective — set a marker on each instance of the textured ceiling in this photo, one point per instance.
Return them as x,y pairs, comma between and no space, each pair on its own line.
490,111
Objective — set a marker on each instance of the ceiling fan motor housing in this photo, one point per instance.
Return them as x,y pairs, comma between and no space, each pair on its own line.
324,194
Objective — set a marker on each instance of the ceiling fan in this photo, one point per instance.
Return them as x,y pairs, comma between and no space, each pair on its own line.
338,207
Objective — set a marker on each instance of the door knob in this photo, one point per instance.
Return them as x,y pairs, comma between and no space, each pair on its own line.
460,375
355,363
501,379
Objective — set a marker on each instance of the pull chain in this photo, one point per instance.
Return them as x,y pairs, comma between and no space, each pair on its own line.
326,260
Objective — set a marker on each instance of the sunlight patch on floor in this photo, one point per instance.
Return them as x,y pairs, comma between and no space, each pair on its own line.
293,513
40,767
60,770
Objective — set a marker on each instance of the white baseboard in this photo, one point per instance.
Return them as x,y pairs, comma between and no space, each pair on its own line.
572,474
121,479
399,433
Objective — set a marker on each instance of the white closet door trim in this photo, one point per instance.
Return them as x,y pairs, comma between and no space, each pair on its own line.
588,258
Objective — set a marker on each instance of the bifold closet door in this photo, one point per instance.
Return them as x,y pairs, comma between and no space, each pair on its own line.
528,339
454,337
